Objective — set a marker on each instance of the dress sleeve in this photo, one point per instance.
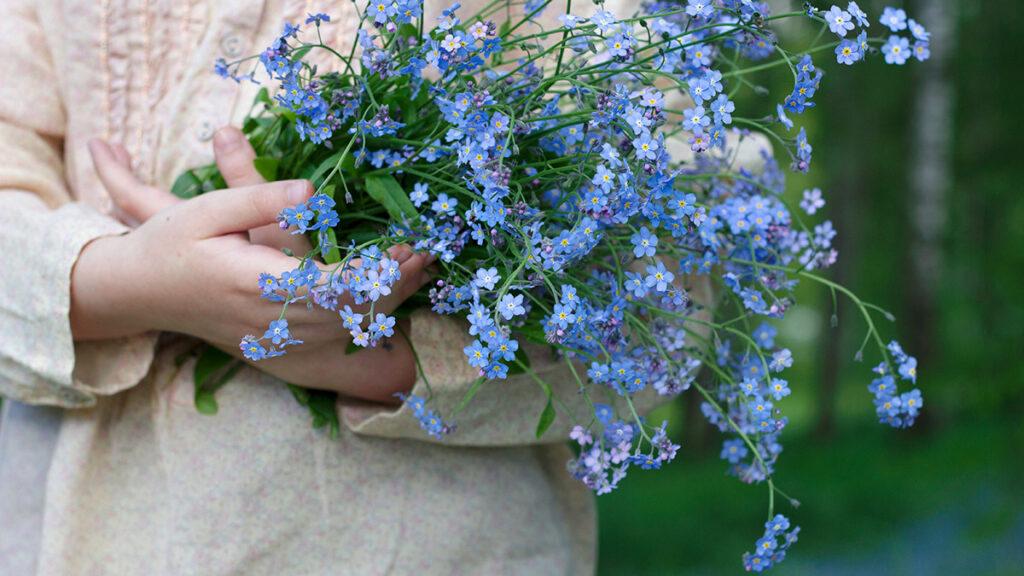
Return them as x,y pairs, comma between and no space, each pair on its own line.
41,234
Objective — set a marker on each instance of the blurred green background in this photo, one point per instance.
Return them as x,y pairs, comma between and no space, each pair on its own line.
921,167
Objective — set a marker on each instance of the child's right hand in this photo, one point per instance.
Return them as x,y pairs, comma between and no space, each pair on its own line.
190,268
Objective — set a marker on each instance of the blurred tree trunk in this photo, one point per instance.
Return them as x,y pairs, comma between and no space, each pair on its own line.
846,180
930,180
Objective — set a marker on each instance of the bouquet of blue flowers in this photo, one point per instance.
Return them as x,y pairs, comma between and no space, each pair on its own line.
576,177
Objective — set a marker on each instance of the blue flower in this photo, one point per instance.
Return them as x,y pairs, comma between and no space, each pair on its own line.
511,306
918,31
848,52
486,278
563,315
896,50
644,243
781,360
764,335
895,19
912,403
723,108
381,10
734,450
812,201
803,152
317,18
646,147
503,348
619,45
349,318
908,369
700,8
921,51
382,326
635,285
252,349
658,277
695,120
778,389
860,15
299,216
781,112
444,204
477,353
374,286
839,21
278,332
645,461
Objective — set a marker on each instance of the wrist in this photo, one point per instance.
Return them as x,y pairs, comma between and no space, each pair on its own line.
102,305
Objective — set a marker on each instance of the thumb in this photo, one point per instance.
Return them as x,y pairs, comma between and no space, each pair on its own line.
135,199
235,158
240,209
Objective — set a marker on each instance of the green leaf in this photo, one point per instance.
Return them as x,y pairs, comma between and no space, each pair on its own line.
267,167
352,348
210,361
288,113
187,185
547,417
263,97
388,192
209,375
325,167
206,403
323,407
301,394
408,31
299,53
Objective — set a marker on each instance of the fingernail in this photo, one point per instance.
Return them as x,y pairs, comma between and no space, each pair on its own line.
227,138
431,258
97,145
298,191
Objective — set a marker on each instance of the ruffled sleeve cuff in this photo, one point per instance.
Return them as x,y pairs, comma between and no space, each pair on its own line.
39,361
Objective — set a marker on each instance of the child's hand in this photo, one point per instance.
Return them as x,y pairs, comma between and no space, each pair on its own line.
191,268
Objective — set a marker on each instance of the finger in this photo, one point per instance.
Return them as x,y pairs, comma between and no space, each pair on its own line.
240,209
235,157
121,155
137,200
271,235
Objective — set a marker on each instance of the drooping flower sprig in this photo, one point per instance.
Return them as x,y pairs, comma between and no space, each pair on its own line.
576,180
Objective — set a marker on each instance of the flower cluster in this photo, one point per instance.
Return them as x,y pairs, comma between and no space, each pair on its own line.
603,460
895,409
542,167
750,414
771,548
897,49
315,215
316,118
354,281
430,421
